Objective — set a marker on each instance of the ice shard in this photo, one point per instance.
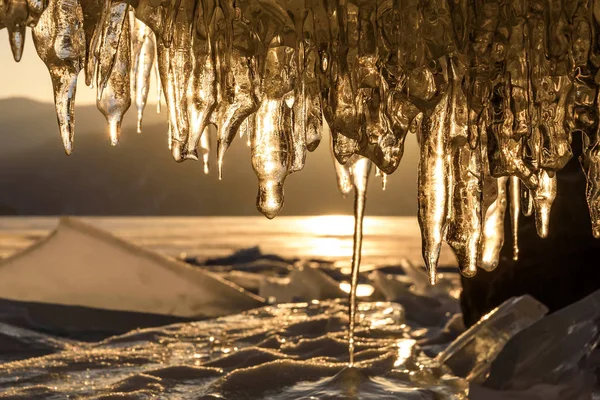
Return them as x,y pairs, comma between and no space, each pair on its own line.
471,355
551,351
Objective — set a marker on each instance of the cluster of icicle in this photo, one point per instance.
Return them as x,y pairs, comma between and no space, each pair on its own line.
493,90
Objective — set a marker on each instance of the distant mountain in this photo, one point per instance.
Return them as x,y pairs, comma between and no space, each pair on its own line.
139,177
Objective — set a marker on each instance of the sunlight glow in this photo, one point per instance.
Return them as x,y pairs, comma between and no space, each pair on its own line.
362,290
405,350
329,225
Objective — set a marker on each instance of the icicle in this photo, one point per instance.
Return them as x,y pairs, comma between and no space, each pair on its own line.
94,42
108,44
492,239
379,173
342,97
515,210
526,202
172,11
114,98
343,146
433,185
59,40
270,158
15,19
465,184
205,148
543,197
360,170
36,8
175,67
202,87
493,91
270,144
159,92
143,52
342,172
590,163
465,224
312,102
504,146
92,25
202,93
239,101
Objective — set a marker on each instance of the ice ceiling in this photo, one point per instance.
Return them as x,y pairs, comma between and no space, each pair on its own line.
492,89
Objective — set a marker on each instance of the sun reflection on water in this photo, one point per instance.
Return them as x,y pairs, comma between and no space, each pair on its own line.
330,236
328,225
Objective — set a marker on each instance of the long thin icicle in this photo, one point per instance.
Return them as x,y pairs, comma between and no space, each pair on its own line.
360,170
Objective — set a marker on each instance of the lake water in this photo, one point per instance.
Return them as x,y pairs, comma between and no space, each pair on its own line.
387,239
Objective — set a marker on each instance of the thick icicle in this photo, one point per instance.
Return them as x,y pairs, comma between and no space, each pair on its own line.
360,169
465,220
59,40
15,18
433,185
465,182
114,98
108,43
201,92
271,157
142,58
590,162
175,67
239,101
